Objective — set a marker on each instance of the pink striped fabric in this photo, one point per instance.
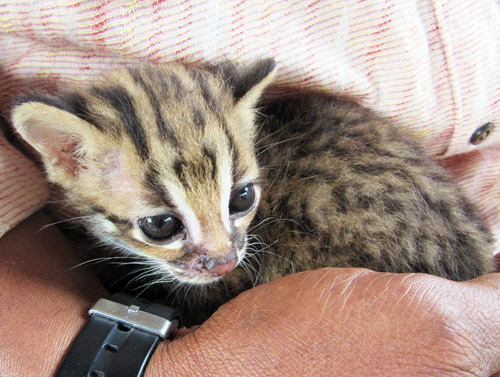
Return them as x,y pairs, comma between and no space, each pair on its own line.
431,66
21,187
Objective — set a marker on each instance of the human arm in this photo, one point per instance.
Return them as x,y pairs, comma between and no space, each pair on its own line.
43,302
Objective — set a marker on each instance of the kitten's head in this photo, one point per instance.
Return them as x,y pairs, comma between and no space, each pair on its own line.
159,160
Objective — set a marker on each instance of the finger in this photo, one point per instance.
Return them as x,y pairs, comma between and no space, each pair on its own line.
490,280
182,332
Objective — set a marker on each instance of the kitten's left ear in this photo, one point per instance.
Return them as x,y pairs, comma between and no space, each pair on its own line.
248,81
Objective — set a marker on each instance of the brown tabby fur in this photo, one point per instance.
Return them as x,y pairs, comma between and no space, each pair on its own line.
338,184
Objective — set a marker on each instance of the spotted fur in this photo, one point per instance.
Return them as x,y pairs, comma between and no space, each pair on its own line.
335,184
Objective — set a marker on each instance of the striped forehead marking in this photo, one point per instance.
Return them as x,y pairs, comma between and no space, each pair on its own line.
155,94
122,102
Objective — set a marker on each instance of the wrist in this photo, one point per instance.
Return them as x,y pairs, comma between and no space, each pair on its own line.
44,300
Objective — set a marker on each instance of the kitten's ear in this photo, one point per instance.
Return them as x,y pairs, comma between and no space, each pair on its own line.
248,81
54,132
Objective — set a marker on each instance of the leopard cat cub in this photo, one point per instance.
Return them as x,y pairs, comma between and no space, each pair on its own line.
210,187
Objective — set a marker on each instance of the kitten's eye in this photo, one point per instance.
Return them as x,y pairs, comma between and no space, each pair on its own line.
161,226
242,199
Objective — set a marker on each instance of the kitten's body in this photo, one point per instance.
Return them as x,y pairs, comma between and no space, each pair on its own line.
338,185
357,191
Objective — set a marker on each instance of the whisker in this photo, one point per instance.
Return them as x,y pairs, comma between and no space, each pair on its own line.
274,220
95,261
143,275
269,146
119,189
63,221
246,265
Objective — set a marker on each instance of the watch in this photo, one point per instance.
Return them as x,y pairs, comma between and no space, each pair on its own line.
119,338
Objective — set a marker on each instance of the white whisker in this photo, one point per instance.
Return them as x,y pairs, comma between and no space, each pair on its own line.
269,146
95,261
63,221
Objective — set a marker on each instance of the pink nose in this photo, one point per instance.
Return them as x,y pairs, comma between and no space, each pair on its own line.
224,268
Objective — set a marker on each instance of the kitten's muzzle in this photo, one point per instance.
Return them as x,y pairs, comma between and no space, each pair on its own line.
222,268
205,265
218,266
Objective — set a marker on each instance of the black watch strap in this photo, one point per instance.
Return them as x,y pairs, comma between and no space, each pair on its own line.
119,338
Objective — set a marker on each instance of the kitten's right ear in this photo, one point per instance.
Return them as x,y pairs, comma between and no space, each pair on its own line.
51,129
248,81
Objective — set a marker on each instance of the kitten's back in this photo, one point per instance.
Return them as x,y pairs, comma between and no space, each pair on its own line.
352,190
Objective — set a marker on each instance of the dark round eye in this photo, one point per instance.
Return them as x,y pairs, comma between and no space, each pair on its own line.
242,199
160,227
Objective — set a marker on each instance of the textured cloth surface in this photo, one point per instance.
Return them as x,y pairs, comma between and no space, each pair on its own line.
431,66
21,187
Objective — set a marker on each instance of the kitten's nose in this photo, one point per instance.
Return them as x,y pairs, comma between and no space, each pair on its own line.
223,268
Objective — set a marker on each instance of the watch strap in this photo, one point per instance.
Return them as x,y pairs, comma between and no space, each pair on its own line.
119,338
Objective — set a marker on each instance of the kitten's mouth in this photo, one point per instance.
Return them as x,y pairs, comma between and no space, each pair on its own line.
205,269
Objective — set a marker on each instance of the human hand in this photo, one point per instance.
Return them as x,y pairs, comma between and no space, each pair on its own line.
346,322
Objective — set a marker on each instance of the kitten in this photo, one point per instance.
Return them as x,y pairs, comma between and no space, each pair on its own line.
174,166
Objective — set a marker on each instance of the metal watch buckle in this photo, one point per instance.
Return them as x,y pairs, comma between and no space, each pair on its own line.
134,317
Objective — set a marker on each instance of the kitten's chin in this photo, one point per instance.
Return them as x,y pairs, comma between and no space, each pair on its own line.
198,279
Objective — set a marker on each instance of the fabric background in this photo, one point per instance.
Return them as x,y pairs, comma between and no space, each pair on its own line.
431,66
